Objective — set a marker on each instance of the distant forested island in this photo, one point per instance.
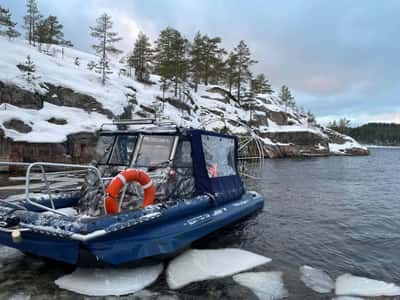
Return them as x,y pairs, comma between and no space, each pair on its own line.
386,134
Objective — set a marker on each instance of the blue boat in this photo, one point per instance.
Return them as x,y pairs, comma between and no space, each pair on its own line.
198,190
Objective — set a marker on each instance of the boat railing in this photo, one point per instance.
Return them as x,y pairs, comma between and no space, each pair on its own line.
45,178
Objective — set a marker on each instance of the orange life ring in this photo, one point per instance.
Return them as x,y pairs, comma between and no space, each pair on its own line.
111,202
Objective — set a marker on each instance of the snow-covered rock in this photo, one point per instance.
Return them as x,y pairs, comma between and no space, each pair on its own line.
53,114
106,282
44,131
266,285
316,279
348,284
197,265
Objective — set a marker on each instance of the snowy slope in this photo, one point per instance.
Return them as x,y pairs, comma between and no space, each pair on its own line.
206,106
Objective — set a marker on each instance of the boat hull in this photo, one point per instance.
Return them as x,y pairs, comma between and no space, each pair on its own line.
175,230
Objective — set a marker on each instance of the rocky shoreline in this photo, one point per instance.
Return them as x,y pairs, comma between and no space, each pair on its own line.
79,147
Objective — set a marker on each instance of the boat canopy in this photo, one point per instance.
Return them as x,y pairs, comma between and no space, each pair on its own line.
212,156
214,161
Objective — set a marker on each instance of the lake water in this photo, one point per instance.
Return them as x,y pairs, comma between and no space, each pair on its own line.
340,214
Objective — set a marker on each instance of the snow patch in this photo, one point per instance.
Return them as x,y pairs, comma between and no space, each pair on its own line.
197,265
348,284
266,285
316,279
42,130
106,282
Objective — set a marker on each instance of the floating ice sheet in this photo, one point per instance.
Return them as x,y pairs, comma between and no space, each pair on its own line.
316,279
266,285
197,265
347,298
20,296
9,255
106,282
348,284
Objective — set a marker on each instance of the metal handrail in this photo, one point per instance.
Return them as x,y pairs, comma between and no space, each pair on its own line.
48,164
41,165
128,122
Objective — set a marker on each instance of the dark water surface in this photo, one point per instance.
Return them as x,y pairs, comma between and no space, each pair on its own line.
340,214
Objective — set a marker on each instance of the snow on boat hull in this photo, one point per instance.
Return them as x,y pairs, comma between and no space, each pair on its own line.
168,230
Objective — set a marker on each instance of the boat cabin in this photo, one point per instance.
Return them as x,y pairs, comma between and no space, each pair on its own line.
182,162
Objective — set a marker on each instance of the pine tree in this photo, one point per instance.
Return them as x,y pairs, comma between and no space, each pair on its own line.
50,31
311,119
6,21
28,69
244,62
206,59
212,58
260,85
286,97
91,65
196,59
141,57
11,32
105,46
171,61
4,16
31,19
230,71
41,33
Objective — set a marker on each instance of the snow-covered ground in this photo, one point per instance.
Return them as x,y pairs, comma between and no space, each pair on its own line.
44,131
207,105
62,71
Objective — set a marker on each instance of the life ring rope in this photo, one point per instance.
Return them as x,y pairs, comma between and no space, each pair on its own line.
111,201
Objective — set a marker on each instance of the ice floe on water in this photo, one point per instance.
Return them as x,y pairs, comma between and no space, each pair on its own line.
106,282
266,285
197,265
19,296
347,298
348,284
9,255
316,279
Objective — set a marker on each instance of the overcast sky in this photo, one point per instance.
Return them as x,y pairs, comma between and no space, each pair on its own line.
340,58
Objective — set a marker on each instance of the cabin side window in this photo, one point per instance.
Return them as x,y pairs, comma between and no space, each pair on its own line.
183,155
219,155
103,148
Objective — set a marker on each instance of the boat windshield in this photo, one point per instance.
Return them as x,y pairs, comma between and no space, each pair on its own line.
103,148
122,150
115,150
155,150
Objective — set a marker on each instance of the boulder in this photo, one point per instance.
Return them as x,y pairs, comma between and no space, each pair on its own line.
224,93
277,117
17,125
12,94
63,96
57,121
